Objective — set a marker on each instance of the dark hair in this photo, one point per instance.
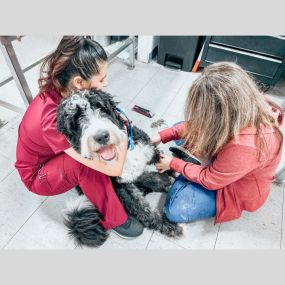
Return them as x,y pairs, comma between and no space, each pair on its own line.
75,55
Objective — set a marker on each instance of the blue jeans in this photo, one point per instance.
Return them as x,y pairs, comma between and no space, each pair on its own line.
188,201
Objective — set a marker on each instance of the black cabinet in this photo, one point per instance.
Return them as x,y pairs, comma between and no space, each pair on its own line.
261,56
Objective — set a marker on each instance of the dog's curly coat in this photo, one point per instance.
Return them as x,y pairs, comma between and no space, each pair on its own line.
90,121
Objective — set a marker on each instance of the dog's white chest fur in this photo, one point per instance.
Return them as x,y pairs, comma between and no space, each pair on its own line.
136,162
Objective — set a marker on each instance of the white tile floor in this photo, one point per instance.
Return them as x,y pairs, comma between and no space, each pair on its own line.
28,221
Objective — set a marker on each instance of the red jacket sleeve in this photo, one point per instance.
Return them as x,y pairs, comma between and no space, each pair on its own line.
55,140
231,164
173,133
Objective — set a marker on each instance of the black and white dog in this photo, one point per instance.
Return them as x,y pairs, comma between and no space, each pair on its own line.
95,127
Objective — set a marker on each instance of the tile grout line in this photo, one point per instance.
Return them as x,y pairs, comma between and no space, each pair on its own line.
7,175
167,239
127,105
132,100
10,124
162,114
24,223
170,103
149,239
174,242
217,236
176,95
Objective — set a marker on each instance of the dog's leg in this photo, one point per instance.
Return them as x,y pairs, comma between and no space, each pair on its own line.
135,205
83,222
154,182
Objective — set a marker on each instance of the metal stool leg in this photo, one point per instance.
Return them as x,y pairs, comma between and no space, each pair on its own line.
132,53
17,73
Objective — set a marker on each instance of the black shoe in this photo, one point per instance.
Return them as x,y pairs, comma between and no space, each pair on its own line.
183,154
130,229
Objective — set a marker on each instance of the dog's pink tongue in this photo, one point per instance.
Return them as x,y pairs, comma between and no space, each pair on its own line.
107,153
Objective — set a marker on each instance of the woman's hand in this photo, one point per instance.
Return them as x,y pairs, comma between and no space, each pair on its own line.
164,163
156,139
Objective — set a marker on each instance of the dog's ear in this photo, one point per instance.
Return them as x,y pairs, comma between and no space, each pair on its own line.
105,102
65,118
68,114
100,99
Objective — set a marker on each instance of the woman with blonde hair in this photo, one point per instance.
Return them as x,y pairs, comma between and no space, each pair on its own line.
234,130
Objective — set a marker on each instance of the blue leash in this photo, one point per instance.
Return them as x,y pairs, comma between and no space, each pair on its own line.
131,144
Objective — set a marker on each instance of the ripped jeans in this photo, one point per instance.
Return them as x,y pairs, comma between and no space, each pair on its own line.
188,201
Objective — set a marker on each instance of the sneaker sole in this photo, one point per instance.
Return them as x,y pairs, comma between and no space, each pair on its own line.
125,237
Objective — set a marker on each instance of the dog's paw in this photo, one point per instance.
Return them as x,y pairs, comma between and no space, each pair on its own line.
171,229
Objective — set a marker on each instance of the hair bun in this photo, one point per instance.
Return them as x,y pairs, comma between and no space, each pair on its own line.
71,44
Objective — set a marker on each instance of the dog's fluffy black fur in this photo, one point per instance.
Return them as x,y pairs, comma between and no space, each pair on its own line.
83,220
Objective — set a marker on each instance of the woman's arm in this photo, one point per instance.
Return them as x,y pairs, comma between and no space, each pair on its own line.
230,165
167,135
173,133
111,169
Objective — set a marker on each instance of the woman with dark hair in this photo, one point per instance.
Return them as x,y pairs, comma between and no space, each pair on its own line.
46,162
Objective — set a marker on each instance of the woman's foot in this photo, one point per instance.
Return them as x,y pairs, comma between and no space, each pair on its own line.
130,229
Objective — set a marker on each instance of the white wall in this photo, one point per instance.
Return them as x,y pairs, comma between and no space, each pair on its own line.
146,44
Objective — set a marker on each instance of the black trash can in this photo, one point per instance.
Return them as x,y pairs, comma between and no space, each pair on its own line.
179,52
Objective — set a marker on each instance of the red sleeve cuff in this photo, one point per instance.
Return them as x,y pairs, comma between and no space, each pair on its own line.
173,133
164,135
177,164
189,170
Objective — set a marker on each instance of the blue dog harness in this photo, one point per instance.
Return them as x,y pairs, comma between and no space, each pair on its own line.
131,144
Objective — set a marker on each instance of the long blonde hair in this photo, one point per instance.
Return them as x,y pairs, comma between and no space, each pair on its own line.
221,102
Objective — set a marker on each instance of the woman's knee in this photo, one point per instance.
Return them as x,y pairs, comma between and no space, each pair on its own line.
175,213
188,202
180,212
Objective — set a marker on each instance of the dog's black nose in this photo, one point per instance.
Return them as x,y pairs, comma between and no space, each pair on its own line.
102,137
